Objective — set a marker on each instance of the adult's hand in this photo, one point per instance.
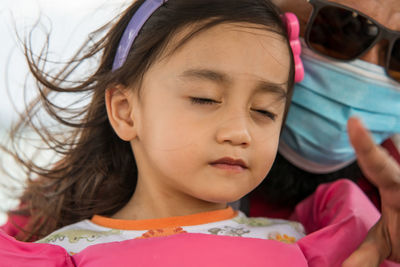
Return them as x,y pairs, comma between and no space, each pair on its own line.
383,240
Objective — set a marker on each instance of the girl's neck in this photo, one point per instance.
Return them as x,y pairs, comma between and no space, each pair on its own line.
144,206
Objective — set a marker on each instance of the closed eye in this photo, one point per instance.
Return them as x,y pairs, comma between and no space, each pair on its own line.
203,101
266,113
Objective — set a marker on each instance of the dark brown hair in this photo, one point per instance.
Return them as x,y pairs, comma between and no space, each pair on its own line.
97,172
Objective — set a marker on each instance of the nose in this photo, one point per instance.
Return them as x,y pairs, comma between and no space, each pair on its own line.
377,53
234,130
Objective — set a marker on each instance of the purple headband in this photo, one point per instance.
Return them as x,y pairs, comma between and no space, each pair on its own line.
149,6
132,30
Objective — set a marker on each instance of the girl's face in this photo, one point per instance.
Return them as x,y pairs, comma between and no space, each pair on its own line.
208,117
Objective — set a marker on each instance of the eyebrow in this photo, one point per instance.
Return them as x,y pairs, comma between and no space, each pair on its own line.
205,74
222,78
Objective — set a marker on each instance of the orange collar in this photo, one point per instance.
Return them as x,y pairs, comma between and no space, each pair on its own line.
187,220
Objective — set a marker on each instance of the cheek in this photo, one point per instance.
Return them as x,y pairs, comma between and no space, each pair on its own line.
179,163
172,139
172,125
172,132
265,153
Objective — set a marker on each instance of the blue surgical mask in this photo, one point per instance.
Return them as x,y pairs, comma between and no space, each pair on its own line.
315,137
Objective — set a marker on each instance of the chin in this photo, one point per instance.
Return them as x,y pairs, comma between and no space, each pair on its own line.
224,198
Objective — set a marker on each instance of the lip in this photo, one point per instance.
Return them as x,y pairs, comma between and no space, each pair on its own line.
227,163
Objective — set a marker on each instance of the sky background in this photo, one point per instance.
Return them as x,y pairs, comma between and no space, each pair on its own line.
70,22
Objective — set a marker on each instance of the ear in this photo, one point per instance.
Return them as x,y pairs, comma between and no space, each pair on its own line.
119,103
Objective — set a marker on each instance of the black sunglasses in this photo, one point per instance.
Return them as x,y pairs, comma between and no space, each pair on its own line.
345,34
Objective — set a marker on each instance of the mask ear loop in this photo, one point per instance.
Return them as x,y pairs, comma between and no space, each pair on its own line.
293,31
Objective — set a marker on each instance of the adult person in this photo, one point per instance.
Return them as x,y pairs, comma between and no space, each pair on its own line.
351,54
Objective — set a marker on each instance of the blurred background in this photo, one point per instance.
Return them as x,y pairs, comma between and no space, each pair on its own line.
69,23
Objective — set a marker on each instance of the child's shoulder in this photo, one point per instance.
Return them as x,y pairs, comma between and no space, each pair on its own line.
265,228
77,236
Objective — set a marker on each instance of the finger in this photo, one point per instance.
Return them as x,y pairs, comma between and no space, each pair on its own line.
377,165
372,251
384,172
365,256
391,218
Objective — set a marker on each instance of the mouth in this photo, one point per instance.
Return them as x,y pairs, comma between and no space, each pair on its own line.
229,164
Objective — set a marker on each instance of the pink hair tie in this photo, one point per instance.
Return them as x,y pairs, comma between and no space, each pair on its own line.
293,30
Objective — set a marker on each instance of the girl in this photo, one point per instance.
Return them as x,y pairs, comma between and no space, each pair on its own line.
185,117
185,114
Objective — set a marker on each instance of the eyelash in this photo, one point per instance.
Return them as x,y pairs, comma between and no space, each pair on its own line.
203,101
265,113
207,101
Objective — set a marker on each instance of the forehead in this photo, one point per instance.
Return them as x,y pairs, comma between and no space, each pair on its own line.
386,12
238,49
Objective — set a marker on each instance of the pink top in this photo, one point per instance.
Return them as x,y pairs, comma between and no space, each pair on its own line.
337,217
